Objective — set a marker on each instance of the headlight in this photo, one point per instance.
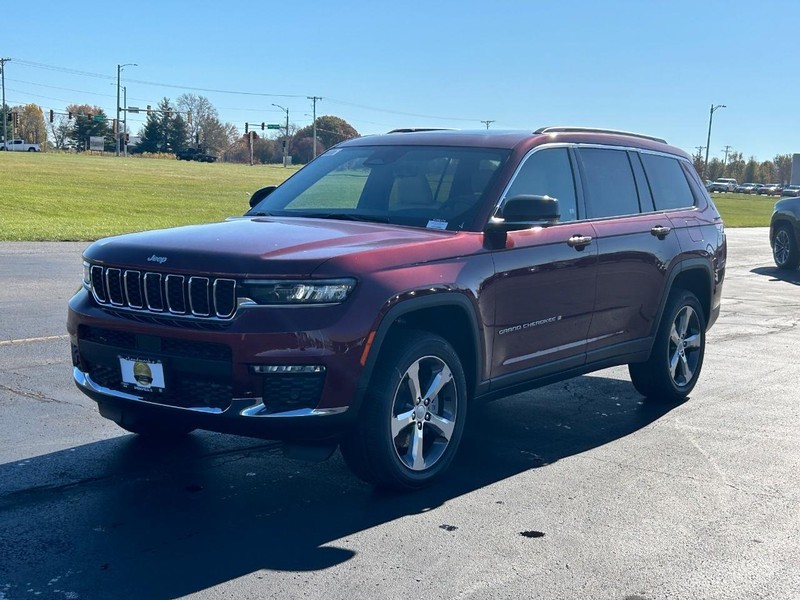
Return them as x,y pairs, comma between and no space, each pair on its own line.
87,275
327,291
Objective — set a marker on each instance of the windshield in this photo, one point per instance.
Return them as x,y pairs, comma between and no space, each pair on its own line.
420,186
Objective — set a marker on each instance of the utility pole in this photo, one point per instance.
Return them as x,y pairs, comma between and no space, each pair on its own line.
708,141
286,135
726,149
488,122
3,62
314,104
119,70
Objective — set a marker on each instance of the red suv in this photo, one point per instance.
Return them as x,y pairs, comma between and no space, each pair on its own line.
375,295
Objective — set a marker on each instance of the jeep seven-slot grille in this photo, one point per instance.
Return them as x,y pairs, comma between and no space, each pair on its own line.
169,294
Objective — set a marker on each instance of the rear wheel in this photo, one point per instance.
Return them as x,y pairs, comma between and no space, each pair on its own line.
412,420
675,362
784,248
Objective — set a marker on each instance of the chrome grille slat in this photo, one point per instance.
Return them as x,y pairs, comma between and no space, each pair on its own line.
199,303
133,289
153,294
196,296
175,294
114,287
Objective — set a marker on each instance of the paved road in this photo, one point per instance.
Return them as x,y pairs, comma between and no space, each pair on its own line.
576,490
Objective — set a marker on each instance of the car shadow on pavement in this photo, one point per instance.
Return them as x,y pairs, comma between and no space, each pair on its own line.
777,274
126,518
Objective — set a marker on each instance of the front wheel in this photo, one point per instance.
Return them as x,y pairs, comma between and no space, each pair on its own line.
675,361
785,252
412,419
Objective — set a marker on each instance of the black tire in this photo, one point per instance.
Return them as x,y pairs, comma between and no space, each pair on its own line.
672,370
785,252
405,439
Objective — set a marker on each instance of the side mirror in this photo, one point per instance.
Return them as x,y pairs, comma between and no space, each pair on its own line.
524,212
259,195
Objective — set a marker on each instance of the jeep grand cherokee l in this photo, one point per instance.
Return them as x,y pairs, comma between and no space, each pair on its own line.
380,291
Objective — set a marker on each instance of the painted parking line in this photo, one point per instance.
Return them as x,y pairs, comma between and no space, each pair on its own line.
47,338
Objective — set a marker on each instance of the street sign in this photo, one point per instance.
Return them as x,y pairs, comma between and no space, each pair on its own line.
273,126
99,118
133,109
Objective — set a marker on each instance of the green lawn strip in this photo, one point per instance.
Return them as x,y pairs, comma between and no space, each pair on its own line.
59,197
745,210
76,197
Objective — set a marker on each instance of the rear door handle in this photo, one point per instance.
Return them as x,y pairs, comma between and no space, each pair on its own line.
579,242
660,232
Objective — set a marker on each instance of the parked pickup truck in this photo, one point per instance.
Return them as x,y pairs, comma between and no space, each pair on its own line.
19,146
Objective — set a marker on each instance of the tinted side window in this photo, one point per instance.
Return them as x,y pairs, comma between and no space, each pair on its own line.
548,173
667,182
610,187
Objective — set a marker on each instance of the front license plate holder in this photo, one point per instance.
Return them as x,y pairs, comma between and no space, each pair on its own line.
142,374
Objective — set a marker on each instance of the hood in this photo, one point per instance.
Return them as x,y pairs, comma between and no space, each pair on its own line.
262,246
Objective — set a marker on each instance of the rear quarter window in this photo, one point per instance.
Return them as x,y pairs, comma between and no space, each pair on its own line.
668,182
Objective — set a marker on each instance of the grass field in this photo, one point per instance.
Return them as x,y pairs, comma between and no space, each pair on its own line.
62,197
69,197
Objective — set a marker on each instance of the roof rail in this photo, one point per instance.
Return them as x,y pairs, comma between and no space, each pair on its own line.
596,130
416,129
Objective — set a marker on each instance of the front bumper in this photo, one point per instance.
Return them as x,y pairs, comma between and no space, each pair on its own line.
244,416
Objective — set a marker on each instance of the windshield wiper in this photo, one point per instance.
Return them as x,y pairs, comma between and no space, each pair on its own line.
349,217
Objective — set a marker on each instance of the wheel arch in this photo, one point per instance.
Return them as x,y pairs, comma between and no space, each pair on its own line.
694,275
450,315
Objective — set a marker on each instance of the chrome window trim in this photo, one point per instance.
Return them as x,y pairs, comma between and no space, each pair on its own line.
521,164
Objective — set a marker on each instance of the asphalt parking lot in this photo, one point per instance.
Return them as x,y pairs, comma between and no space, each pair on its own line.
577,490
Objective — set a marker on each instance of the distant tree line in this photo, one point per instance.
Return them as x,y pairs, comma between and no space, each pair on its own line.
777,170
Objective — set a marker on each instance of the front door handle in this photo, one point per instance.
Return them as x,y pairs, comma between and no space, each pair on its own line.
579,242
660,232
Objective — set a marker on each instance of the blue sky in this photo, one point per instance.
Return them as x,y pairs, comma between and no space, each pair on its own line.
649,66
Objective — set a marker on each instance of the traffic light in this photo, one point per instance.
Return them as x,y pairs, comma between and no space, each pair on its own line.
69,116
16,119
262,127
245,127
51,115
149,110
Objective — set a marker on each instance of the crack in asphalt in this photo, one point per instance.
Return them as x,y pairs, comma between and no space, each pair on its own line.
39,397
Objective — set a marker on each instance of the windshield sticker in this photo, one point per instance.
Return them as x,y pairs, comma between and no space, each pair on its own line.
332,152
437,224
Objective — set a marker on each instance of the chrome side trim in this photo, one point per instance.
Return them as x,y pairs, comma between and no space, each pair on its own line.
516,359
